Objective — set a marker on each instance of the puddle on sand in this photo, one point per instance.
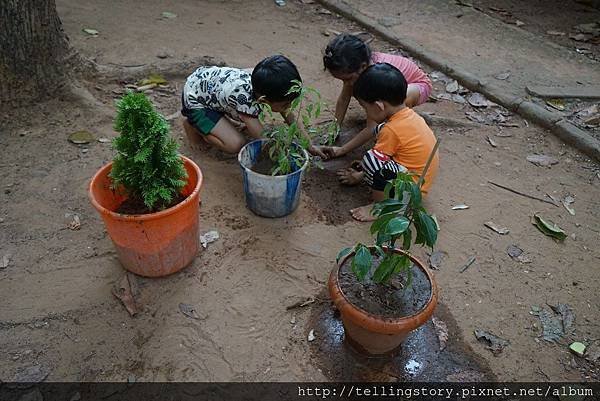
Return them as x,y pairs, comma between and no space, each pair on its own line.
419,358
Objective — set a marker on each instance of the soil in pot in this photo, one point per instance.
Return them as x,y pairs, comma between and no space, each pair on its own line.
137,206
264,164
390,300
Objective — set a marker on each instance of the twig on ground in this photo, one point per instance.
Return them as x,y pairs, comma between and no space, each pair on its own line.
540,371
469,263
301,304
523,194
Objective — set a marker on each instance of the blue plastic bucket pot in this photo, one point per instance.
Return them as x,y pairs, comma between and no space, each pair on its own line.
267,195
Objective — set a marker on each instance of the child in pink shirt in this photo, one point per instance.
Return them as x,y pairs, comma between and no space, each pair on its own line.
346,57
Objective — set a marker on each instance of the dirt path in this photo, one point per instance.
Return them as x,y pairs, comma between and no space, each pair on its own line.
57,310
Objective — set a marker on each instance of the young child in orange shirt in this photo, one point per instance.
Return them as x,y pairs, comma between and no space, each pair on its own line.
403,139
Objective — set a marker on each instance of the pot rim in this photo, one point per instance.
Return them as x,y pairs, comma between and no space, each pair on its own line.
272,177
149,216
385,324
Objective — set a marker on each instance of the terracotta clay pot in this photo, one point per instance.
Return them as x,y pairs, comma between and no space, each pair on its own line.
154,244
377,335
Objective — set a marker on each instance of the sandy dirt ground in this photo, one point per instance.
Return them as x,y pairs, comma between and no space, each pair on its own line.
57,312
554,20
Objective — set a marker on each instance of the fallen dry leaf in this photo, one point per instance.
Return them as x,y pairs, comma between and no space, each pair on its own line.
435,260
441,330
208,238
514,251
567,202
503,76
452,87
5,261
478,100
548,228
123,292
91,32
75,224
81,137
494,227
542,160
557,104
579,37
189,311
493,342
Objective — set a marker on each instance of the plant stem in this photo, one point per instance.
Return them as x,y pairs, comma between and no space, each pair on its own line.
429,160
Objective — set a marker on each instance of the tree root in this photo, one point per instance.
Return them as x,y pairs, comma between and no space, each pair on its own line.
176,70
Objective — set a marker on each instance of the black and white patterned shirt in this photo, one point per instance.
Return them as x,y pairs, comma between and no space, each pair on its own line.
223,89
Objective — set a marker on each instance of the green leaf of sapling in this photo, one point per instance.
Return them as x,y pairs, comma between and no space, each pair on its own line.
396,226
361,263
342,254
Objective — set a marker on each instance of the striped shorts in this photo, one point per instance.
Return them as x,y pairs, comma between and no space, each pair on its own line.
379,169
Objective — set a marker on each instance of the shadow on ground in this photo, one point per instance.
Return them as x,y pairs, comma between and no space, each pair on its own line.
419,359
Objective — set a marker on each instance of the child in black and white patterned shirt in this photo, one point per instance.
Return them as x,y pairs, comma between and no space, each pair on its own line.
210,93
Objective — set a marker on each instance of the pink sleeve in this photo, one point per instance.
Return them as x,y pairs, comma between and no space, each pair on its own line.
412,73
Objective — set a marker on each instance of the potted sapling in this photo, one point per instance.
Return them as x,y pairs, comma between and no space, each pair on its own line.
273,166
148,196
382,291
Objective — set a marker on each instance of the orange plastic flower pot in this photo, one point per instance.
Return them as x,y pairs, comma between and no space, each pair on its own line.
155,244
377,335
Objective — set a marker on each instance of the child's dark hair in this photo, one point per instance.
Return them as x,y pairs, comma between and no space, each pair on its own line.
381,82
346,53
272,78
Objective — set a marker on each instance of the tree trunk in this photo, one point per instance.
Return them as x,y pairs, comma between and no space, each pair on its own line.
34,51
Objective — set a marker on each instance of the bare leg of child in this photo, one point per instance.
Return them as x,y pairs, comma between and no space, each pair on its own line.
223,136
363,213
350,176
194,137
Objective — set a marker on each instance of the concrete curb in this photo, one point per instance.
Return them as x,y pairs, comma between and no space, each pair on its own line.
554,122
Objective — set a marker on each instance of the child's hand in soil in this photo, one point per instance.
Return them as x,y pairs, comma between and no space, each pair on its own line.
332,151
349,176
317,151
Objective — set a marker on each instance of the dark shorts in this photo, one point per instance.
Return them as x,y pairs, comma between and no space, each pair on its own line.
204,120
380,169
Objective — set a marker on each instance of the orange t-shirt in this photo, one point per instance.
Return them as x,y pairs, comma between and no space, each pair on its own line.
408,140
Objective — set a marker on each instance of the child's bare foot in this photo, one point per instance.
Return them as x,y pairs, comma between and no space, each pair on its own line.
196,141
363,213
349,176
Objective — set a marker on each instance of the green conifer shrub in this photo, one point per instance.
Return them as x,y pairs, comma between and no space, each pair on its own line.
147,164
